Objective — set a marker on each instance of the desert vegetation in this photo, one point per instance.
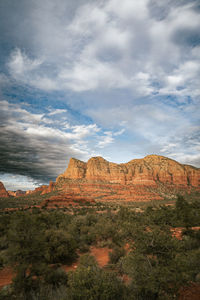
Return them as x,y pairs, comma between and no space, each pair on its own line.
146,258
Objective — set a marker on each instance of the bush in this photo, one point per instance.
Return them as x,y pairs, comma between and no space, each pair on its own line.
92,283
116,254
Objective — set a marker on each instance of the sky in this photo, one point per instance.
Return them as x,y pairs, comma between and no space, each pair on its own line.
111,78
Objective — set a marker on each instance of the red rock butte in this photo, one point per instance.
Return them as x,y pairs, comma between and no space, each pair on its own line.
144,179
147,171
3,192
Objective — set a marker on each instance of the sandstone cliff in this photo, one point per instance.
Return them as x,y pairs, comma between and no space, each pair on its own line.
148,171
151,178
3,192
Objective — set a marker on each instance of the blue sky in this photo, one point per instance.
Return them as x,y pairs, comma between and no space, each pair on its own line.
119,79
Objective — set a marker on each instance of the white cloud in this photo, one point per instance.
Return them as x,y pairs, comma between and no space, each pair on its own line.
189,159
28,71
128,9
57,111
18,182
120,132
20,63
168,147
111,45
106,140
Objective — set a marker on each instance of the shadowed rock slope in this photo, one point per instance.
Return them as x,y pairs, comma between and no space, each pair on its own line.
151,178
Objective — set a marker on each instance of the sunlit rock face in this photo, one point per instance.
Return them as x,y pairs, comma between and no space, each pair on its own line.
17,193
48,189
147,171
3,192
140,180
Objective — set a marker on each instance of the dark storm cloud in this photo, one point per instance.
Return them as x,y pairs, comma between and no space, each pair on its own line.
39,146
34,149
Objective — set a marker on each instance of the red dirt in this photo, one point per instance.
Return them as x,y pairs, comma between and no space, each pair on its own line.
6,276
190,293
101,255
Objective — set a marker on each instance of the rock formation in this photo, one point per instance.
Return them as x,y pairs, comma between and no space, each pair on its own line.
147,172
48,189
3,192
17,193
151,178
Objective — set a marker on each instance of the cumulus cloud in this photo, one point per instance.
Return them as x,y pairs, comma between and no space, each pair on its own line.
139,45
156,128
106,139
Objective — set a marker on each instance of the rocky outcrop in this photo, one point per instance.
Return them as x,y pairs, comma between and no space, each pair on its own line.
17,193
148,171
29,192
3,192
48,189
43,189
11,193
40,188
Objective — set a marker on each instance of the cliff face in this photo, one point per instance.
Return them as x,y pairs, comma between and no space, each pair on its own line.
151,178
3,192
148,171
